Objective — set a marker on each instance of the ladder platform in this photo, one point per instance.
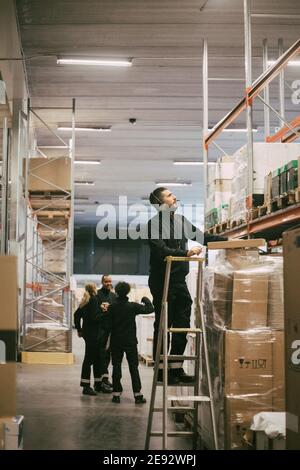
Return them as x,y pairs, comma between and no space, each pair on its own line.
188,398
176,409
184,258
184,330
172,433
179,357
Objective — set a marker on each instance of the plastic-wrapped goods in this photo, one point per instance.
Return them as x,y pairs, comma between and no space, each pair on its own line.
244,290
54,259
47,310
47,337
247,369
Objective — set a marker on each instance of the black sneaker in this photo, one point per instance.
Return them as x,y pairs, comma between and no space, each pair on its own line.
102,387
172,378
107,382
88,391
182,376
140,400
116,399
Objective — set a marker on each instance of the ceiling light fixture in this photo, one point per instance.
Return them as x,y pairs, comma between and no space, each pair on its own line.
87,162
97,62
173,183
79,212
85,183
191,163
85,129
290,62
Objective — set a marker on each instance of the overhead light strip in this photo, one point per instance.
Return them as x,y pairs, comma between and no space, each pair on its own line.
173,183
85,129
85,183
191,163
95,62
87,162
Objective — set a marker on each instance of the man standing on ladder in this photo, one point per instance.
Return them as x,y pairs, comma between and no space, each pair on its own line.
168,234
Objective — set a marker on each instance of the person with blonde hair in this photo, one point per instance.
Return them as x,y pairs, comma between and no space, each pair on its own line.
87,323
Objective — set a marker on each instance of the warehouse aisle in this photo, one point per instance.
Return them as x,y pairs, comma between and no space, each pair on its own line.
57,416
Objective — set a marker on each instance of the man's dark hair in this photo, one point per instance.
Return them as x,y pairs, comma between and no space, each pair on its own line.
155,196
122,289
104,276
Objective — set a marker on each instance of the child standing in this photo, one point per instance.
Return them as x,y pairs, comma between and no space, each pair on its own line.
121,324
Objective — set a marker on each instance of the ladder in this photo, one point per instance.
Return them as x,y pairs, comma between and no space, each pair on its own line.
196,398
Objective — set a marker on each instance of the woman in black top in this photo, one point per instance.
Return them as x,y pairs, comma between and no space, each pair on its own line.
87,323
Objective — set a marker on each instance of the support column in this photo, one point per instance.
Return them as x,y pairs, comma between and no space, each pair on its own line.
248,76
205,123
266,92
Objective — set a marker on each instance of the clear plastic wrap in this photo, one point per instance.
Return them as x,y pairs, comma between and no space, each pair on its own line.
239,183
247,369
47,310
243,303
47,337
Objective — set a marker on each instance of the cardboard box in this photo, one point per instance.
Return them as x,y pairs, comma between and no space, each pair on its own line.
291,251
278,395
8,389
248,362
239,412
232,244
56,173
275,318
47,337
8,292
249,299
221,298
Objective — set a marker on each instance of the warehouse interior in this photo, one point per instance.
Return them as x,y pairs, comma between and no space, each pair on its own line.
102,102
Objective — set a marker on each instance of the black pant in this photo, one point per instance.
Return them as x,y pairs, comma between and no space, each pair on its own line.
117,352
179,315
106,355
92,358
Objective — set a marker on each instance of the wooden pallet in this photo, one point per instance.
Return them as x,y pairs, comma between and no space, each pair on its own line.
147,360
254,214
283,201
236,223
29,357
297,195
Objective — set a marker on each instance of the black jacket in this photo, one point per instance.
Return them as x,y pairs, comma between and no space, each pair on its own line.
120,320
105,295
87,319
168,234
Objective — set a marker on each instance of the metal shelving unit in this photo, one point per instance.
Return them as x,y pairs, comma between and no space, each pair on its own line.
43,234
275,222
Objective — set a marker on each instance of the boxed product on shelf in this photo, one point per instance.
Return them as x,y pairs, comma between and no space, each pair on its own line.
268,188
47,310
54,258
292,175
266,156
47,337
211,218
51,174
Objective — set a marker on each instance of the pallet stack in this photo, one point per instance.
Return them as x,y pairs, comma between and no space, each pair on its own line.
243,301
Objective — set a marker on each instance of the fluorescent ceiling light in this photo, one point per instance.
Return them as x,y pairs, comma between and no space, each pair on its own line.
101,62
79,212
85,183
236,129
173,183
192,163
85,129
52,146
87,162
290,62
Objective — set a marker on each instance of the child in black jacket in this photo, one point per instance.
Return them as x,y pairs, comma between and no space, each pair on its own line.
87,320
121,324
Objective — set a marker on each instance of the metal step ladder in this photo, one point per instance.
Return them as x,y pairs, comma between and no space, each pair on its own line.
196,398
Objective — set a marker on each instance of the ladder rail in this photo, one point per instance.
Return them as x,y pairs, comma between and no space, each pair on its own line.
157,355
163,345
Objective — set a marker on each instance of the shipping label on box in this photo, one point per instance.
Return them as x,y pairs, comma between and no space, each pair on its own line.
248,362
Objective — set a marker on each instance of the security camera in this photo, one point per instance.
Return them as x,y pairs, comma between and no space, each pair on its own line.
132,121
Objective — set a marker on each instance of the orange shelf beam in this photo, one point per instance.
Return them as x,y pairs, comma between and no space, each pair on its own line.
281,134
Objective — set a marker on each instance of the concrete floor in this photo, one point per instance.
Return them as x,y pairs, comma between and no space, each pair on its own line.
57,416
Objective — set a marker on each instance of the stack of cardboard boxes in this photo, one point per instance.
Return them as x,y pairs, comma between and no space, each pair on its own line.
8,343
219,191
244,308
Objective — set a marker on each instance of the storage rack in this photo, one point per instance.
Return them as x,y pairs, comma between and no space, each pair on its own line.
57,203
273,224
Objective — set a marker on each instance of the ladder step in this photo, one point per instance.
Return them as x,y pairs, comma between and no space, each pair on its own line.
188,398
184,330
172,434
180,384
176,409
180,357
